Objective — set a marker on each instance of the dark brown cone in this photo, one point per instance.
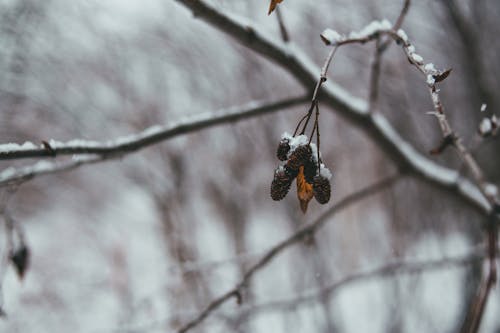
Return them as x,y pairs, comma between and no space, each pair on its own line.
291,173
321,189
280,184
310,170
299,157
283,149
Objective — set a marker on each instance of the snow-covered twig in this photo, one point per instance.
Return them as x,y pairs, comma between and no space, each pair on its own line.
375,125
17,176
299,235
148,137
488,190
99,151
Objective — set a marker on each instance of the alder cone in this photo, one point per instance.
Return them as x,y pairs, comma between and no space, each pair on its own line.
299,157
291,173
280,184
283,149
321,189
310,170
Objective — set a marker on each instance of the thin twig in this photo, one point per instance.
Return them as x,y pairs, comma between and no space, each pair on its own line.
322,79
388,270
385,271
281,22
380,48
293,239
375,77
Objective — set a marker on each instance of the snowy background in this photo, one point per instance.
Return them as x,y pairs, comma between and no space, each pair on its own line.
143,243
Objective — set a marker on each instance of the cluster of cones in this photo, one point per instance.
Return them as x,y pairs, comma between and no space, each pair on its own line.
301,163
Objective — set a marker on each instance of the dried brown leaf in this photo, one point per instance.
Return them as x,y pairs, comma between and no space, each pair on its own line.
273,5
304,190
441,76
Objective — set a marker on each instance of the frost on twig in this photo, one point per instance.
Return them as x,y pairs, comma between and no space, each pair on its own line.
332,37
489,126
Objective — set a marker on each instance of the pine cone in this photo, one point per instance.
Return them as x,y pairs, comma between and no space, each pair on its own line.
299,157
321,189
283,149
280,184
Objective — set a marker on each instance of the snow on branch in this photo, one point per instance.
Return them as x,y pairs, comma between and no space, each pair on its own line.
87,152
355,110
148,137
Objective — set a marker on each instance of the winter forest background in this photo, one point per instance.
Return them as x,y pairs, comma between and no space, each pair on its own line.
144,242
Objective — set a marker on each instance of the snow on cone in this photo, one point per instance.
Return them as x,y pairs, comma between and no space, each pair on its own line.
321,189
280,184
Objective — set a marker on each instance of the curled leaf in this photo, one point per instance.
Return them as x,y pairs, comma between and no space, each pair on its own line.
304,190
273,5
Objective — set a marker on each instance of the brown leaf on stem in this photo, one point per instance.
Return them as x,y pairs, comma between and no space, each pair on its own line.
441,76
304,190
273,5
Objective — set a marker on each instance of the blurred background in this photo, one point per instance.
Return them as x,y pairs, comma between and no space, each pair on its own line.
143,243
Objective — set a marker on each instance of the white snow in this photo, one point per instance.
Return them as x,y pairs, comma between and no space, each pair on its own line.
371,28
325,172
430,68
8,147
411,48
7,173
332,37
314,149
402,34
483,107
287,136
485,126
494,120
299,140
74,143
491,190
430,79
417,58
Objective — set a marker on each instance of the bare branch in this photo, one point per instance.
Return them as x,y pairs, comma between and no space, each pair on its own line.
375,77
475,69
398,24
388,270
305,231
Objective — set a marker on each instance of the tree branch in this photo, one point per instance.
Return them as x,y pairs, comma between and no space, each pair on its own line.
100,151
149,136
305,231
388,270
375,125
